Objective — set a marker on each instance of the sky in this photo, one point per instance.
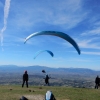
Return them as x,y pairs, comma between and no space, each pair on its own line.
80,19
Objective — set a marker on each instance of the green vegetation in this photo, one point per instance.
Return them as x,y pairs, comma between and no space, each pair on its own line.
15,92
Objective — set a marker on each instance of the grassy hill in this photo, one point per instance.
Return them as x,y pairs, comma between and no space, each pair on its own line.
15,92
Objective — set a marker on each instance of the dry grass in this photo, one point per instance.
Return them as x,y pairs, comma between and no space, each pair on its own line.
14,92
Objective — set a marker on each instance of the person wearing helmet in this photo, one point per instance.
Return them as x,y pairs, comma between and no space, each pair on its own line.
25,79
49,95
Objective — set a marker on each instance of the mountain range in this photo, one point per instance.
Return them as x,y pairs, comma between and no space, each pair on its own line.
38,69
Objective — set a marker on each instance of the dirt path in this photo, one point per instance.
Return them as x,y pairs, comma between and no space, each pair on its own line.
34,97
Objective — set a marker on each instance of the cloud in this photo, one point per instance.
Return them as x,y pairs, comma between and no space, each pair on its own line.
91,53
6,12
90,38
66,13
89,43
94,28
95,31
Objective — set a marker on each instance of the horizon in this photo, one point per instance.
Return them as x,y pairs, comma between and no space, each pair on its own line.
49,67
80,19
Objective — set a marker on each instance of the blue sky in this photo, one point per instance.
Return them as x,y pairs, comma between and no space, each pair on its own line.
80,19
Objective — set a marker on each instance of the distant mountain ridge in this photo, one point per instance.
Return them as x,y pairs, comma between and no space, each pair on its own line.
38,69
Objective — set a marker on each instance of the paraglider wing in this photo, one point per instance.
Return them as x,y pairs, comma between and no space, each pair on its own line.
50,53
37,53
43,71
55,33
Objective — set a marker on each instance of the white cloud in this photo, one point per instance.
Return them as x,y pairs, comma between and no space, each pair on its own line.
6,12
90,38
95,31
91,53
89,43
95,28
66,13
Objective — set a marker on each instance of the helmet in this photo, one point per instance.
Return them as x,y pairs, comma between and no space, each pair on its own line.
25,71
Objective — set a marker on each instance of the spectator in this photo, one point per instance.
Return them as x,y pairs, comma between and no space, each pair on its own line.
97,82
25,79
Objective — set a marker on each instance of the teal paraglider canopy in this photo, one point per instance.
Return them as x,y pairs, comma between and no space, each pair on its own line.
48,51
58,34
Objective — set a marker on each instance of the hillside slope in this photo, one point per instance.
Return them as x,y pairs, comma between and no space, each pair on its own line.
15,92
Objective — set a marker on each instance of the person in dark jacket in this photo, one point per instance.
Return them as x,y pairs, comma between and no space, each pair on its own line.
25,79
97,82
47,79
49,96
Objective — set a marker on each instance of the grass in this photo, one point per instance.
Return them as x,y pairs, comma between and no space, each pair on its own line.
15,92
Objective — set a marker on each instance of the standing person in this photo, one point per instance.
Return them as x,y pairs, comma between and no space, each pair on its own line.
47,79
97,82
25,79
